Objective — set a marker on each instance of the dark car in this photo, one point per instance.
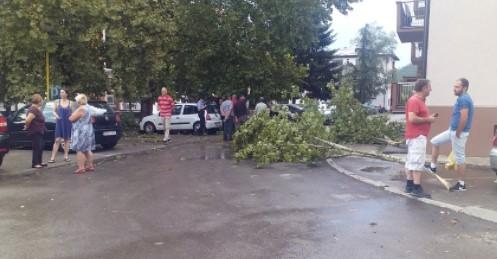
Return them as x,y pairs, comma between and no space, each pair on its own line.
4,137
107,126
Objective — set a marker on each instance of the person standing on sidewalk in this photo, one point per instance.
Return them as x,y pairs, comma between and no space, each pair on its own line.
241,111
418,124
457,134
166,104
229,120
83,135
35,125
62,110
201,107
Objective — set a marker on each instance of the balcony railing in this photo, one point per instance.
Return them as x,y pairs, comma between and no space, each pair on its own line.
411,20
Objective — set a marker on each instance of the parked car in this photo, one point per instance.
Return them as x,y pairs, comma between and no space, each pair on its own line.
107,125
184,118
294,110
493,152
4,138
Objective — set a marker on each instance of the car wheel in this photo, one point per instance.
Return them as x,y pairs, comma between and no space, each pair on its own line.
1,159
149,128
109,145
196,127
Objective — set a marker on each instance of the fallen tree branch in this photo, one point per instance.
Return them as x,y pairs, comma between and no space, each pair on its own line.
359,152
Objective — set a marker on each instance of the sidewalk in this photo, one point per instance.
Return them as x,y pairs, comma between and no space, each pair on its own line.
18,161
480,162
478,201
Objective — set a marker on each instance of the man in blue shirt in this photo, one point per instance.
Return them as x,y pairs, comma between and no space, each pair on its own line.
457,134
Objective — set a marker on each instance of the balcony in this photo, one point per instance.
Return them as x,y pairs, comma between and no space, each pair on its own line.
411,20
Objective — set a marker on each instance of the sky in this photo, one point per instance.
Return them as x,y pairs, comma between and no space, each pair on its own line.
383,12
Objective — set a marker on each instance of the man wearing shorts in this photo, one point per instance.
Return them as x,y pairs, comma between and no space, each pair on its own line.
418,124
457,134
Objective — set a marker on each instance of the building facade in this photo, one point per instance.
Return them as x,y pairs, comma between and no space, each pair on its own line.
461,39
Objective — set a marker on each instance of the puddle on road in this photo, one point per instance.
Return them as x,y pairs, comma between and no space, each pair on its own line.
376,169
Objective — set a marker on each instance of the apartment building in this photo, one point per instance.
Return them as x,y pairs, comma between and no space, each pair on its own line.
452,39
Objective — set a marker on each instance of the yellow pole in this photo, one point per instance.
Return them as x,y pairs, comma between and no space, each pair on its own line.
47,74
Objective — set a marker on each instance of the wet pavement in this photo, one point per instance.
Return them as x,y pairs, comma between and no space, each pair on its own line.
481,193
191,201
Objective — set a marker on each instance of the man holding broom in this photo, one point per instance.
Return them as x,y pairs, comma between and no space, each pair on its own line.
418,124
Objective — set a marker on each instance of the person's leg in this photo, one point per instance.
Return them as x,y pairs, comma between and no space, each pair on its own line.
41,145
164,122
55,149
416,163
436,142
230,128
167,128
225,129
80,157
409,177
67,144
459,149
34,147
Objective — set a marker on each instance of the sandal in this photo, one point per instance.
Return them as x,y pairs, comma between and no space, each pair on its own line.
51,161
79,171
44,165
90,169
67,159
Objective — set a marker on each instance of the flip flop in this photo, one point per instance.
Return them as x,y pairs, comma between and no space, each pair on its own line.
79,171
67,159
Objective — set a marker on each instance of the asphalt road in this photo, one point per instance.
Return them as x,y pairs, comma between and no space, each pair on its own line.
192,201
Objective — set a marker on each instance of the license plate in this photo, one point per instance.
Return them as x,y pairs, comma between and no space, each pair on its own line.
109,133
218,123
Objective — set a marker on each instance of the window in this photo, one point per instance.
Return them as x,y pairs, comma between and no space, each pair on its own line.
48,112
177,110
21,115
190,109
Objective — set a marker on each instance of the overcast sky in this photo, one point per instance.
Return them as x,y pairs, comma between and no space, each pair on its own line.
383,12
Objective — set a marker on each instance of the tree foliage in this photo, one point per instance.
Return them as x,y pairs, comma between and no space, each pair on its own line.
198,46
371,74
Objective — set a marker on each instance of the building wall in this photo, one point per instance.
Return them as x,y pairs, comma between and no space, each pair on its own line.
463,43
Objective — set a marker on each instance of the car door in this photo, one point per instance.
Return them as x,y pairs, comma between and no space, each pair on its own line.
176,121
18,136
190,116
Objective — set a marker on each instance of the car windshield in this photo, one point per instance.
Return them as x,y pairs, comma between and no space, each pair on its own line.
99,108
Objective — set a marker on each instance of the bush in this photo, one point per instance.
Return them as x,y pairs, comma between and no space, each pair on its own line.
129,122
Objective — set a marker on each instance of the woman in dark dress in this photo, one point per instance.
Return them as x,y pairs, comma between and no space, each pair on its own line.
63,127
35,125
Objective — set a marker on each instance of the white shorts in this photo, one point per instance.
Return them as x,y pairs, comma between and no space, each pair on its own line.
416,153
458,144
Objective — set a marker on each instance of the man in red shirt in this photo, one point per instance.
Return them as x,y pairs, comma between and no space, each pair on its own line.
418,124
166,105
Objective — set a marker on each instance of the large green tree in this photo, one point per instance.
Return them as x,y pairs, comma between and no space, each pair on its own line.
319,59
373,45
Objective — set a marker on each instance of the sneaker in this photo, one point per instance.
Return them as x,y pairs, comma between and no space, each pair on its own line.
409,188
458,187
419,193
430,169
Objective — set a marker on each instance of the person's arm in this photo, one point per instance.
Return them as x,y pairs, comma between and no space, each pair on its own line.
29,119
462,121
76,115
55,110
413,118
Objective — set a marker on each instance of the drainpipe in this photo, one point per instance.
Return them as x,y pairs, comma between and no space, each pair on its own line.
426,36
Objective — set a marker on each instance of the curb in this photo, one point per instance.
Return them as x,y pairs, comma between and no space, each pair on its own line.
477,212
